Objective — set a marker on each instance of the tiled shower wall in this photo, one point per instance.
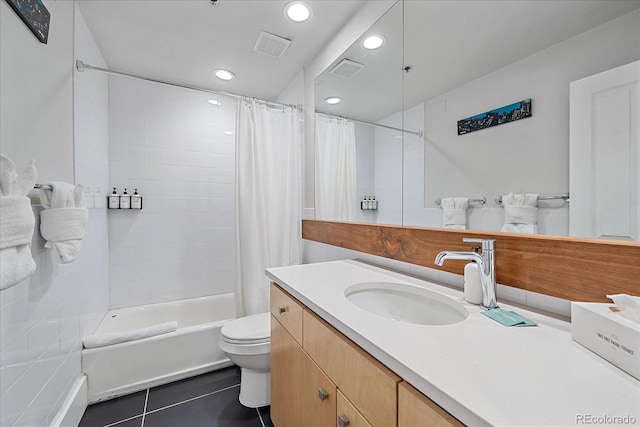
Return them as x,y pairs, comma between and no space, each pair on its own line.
178,150
44,318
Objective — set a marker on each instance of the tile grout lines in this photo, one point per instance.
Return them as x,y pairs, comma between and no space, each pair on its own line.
192,399
260,417
144,411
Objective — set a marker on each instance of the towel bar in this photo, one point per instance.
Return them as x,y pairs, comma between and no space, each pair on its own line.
43,186
564,197
481,200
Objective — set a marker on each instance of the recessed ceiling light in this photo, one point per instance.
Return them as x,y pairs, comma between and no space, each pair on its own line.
228,132
225,75
333,100
373,42
214,102
297,11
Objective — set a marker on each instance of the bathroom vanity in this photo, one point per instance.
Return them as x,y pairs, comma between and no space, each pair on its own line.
333,363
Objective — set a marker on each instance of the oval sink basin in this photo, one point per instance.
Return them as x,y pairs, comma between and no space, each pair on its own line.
406,303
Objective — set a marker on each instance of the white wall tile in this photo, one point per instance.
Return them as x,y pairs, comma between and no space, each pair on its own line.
187,221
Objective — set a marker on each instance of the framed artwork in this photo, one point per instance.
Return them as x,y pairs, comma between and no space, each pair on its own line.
35,15
498,116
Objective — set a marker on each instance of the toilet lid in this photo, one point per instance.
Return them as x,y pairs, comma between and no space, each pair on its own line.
248,330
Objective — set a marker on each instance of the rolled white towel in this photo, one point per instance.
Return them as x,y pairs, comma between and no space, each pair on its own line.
16,232
520,213
18,223
102,340
454,211
64,221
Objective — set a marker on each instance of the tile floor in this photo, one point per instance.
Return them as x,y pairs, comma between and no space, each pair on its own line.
206,400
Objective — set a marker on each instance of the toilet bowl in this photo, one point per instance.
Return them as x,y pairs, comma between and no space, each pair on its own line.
247,342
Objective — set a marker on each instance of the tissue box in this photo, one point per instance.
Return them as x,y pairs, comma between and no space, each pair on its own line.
608,334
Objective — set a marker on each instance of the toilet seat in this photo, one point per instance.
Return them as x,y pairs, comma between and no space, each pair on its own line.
249,330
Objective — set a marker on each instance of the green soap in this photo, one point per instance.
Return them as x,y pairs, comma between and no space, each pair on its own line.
508,318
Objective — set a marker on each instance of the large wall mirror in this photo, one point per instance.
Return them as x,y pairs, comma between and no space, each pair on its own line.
441,62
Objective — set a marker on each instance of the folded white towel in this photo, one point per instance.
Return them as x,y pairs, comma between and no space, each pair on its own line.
520,213
18,222
102,340
455,212
63,222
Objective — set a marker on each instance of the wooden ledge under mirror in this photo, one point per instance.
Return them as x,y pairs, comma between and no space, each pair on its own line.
575,269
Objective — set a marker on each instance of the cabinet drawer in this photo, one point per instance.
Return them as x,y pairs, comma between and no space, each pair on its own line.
370,386
415,409
287,311
348,415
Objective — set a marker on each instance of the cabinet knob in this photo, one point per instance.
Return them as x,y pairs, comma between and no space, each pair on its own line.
343,421
282,309
322,394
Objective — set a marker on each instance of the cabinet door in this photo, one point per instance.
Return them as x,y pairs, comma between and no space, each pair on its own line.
317,396
301,395
415,409
369,385
286,367
348,415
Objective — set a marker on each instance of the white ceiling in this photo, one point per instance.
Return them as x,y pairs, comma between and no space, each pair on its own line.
449,43
184,41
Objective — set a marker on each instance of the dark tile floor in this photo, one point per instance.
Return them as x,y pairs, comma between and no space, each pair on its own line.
206,400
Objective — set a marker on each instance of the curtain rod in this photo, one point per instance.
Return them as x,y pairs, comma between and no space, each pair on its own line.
418,133
81,66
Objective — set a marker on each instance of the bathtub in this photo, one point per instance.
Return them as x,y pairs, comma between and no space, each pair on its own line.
135,365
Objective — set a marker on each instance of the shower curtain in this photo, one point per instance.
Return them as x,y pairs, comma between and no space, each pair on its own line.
268,198
335,190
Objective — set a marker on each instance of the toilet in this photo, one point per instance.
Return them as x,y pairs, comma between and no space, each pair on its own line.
247,342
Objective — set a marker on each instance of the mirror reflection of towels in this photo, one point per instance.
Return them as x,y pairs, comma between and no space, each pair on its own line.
520,213
455,212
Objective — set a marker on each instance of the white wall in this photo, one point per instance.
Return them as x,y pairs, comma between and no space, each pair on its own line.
530,155
170,144
91,148
36,107
44,318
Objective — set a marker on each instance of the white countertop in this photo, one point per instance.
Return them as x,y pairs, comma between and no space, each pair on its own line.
481,372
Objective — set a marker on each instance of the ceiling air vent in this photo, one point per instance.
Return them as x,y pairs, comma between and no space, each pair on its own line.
346,68
271,45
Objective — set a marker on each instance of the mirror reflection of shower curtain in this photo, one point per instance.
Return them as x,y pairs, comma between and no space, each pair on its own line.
268,198
335,177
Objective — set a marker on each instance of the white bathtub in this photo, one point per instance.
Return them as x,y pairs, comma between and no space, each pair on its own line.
135,365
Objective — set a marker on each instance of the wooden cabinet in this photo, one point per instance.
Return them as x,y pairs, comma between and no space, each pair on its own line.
301,394
415,409
287,311
321,378
348,415
363,380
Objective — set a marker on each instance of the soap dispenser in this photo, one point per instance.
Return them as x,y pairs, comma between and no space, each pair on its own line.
125,200
472,283
114,200
136,200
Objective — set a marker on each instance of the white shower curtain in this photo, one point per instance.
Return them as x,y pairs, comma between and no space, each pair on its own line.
268,198
335,190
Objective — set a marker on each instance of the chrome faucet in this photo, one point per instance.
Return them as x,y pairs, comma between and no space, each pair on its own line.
486,264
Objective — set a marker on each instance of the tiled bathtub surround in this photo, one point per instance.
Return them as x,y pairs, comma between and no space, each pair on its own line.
178,150
44,318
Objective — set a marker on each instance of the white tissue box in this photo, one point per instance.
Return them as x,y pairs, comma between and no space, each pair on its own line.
608,334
